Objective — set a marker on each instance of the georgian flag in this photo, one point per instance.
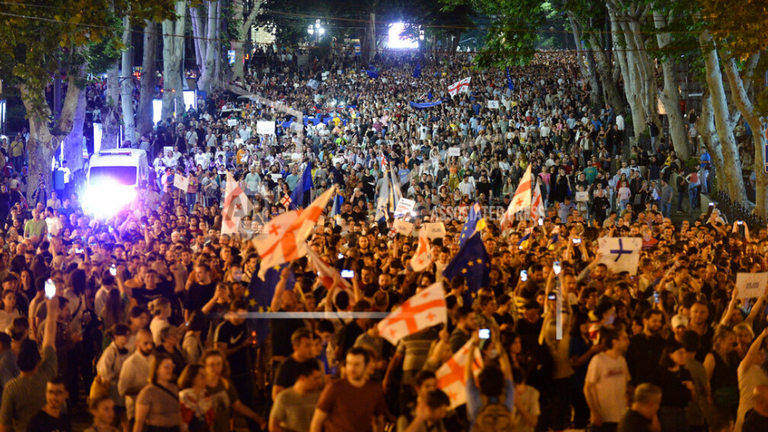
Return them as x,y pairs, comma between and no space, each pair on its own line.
451,375
328,275
236,206
537,203
423,256
283,238
424,310
459,87
521,199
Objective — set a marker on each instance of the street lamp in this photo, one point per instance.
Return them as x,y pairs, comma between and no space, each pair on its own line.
316,30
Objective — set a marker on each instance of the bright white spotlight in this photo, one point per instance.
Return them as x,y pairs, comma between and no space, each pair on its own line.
394,40
107,198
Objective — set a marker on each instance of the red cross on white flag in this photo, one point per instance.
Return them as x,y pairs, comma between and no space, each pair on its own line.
424,310
521,200
236,206
284,237
451,375
423,256
286,201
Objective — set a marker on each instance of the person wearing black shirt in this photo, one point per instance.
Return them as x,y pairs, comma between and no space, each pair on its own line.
645,348
151,290
288,372
200,291
757,418
50,418
235,341
642,417
677,385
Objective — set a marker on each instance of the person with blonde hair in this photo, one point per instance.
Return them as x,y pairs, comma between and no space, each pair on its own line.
196,404
161,310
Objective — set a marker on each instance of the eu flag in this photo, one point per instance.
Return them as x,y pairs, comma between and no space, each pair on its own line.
373,73
417,71
474,223
473,263
510,85
302,195
259,297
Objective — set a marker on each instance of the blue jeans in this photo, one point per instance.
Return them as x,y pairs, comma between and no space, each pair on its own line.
666,208
191,200
693,193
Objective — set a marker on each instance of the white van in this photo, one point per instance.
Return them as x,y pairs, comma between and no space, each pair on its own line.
113,176
125,167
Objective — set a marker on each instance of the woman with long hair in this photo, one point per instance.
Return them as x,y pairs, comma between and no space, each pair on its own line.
115,311
157,406
196,404
722,365
677,387
222,390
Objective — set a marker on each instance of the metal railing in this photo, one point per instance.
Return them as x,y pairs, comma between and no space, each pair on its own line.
735,211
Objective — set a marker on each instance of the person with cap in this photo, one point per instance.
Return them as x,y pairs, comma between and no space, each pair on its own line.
25,395
679,324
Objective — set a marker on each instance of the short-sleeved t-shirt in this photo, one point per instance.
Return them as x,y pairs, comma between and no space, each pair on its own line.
233,335
24,396
163,407
293,410
288,372
223,396
143,295
44,422
610,377
351,408
198,295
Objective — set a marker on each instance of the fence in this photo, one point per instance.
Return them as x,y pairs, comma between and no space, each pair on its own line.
735,211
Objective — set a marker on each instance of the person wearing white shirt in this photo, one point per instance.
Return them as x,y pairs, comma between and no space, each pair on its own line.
620,122
466,187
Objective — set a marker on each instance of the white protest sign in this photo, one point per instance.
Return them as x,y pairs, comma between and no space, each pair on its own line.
265,127
435,230
167,149
402,227
181,182
620,253
276,177
582,196
295,157
454,151
404,207
493,104
751,285
232,122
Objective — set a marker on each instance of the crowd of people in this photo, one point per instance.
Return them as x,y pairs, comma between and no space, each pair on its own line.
149,319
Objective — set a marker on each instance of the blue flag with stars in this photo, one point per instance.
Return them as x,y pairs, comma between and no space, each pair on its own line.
510,84
473,263
259,297
302,193
417,71
474,223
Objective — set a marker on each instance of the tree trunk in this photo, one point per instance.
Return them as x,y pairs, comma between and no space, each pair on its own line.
173,46
110,123
370,37
207,63
73,143
670,98
632,87
42,144
126,86
705,126
731,176
606,76
147,81
744,103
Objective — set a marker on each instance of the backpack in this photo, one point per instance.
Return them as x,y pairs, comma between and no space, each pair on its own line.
493,417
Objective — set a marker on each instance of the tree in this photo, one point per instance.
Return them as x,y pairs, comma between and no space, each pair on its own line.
245,13
173,50
41,41
126,84
147,80
206,31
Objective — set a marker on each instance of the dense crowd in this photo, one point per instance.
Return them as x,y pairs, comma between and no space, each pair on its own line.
153,320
